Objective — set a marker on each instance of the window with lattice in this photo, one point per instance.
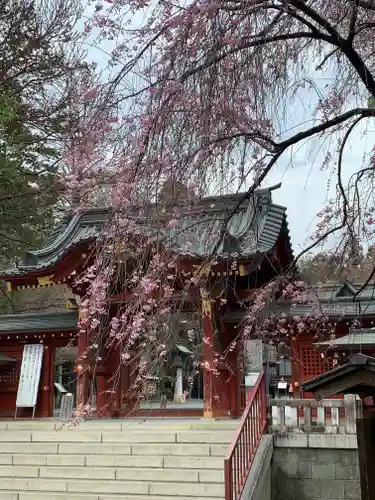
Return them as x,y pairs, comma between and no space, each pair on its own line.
312,363
9,374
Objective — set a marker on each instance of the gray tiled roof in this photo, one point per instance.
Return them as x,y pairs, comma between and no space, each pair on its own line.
331,305
360,337
336,309
253,229
339,299
39,322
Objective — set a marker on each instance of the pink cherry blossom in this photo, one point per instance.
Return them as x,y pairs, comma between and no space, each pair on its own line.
172,223
90,94
207,96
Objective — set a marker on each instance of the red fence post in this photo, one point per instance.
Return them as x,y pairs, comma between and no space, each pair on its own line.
245,443
228,480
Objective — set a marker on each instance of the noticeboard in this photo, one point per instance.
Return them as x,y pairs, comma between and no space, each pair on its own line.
30,376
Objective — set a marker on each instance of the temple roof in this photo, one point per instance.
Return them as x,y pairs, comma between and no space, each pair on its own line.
339,299
39,322
253,229
361,337
333,303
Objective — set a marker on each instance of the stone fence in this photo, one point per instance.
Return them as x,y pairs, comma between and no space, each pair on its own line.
329,416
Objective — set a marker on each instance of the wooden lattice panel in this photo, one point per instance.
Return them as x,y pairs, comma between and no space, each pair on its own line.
312,363
150,388
9,374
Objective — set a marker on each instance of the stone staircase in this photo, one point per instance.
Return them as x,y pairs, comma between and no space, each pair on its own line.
112,460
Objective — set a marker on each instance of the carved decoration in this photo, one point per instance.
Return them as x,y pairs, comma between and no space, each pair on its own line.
207,307
203,270
45,281
71,304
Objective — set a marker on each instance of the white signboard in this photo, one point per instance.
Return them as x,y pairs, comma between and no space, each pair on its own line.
282,385
30,375
251,379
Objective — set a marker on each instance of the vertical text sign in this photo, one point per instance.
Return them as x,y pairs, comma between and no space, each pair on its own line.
30,375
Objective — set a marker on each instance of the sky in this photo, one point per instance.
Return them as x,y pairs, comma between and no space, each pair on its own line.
305,187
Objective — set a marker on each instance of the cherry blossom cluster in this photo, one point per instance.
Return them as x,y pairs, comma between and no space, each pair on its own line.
199,93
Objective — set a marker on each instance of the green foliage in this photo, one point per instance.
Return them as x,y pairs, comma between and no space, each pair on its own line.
7,111
327,266
371,102
25,211
41,63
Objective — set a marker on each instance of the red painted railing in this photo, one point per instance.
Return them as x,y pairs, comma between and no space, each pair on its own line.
245,443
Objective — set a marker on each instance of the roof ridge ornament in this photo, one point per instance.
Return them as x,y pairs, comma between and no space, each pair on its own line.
230,243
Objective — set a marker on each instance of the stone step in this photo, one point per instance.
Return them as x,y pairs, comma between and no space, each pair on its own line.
99,425
53,460
109,487
171,450
51,495
192,462
166,437
215,450
23,495
162,461
111,473
193,436
172,476
113,460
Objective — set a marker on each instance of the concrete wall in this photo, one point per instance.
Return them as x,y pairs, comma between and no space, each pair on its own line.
325,467
258,484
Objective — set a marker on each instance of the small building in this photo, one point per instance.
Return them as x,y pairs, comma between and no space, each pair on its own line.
55,331
346,326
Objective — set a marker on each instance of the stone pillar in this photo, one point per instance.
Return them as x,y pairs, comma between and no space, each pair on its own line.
366,447
178,389
208,356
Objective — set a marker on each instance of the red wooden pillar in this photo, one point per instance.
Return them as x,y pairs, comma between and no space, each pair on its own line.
103,396
295,367
129,398
108,390
208,357
47,380
82,372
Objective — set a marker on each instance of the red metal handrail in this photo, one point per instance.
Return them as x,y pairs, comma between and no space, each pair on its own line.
245,443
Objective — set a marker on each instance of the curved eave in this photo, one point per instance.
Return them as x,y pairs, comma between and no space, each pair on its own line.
52,263
94,217
37,323
258,240
32,274
266,245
